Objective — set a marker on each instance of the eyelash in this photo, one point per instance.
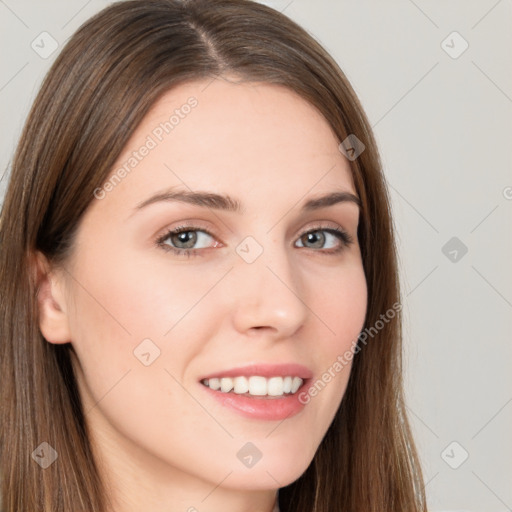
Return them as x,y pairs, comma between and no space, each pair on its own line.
343,236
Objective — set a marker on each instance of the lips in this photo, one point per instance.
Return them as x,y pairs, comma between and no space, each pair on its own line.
276,402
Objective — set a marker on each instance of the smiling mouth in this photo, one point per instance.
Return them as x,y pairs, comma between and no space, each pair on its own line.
256,386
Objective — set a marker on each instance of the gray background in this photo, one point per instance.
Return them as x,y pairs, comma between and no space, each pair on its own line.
442,119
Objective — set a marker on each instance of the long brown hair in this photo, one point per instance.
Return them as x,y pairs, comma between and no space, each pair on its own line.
96,93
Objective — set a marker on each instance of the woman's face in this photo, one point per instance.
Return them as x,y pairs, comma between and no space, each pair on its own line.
247,287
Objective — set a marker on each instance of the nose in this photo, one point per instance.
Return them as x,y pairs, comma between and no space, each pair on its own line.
268,295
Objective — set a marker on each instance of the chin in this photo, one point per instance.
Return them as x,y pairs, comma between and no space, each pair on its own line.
272,472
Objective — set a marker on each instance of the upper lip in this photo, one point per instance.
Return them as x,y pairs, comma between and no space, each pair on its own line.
264,370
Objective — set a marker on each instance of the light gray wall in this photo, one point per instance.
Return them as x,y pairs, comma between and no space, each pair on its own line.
444,126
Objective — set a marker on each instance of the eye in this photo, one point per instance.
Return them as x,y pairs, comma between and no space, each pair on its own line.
339,237
182,239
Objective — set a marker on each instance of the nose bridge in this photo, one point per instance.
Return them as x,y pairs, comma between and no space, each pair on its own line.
268,288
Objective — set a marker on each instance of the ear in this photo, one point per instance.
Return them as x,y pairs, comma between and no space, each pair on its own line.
53,319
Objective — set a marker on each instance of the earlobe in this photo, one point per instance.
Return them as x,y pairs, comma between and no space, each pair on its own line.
53,317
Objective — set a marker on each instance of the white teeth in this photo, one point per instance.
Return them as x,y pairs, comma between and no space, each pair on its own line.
226,384
275,386
287,384
241,385
296,384
255,385
214,383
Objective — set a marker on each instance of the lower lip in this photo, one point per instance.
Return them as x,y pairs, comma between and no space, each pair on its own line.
260,408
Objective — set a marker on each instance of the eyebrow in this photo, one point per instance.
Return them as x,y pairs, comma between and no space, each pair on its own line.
229,204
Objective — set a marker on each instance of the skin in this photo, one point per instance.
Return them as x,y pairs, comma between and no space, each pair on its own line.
162,443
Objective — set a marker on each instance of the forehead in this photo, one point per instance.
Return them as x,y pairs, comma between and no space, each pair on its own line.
222,135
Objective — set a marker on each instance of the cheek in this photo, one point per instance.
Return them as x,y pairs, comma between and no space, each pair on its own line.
343,303
129,369
128,297
146,320
342,308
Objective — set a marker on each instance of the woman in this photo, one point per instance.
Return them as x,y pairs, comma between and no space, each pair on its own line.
196,243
